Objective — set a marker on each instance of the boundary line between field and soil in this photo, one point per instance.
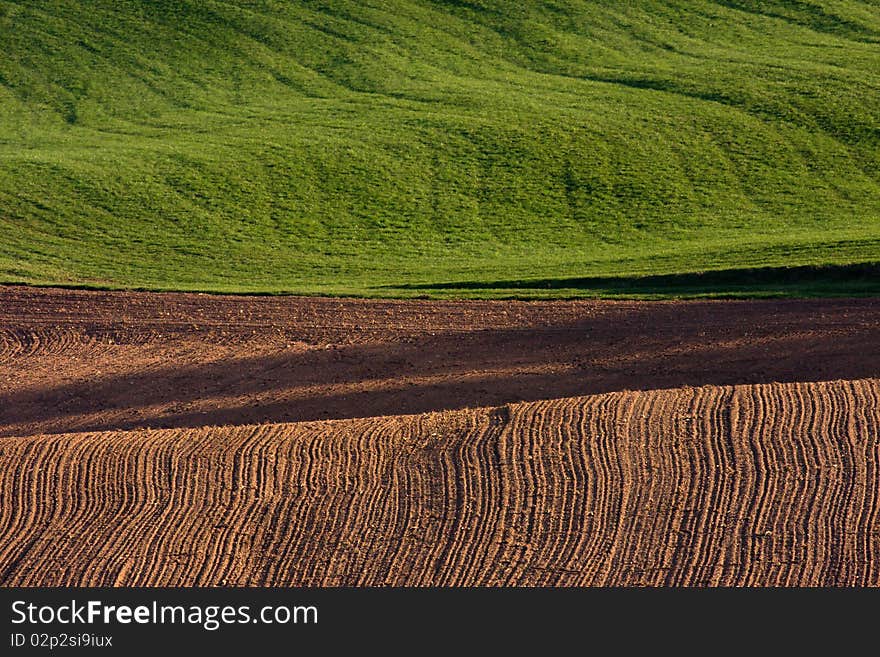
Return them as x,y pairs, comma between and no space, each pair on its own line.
799,282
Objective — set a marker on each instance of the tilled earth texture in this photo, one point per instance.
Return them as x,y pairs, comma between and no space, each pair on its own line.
184,439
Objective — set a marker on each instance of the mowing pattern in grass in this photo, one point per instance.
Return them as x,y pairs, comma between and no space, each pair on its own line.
380,148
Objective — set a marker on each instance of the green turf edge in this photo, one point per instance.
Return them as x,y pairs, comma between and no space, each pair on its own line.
811,281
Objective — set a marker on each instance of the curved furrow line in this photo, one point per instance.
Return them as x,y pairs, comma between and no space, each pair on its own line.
826,475
379,511
769,529
24,343
10,346
711,409
578,492
86,518
801,521
770,484
382,555
277,477
333,499
765,517
757,420
485,537
141,507
564,517
28,508
125,535
178,552
693,464
299,525
643,443
859,436
842,557
784,538
406,556
279,528
123,460
320,541
274,474
728,419
133,558
96,512
551,500
311,554
510,536
809,452
389,521
339,503
106,507
618,462
64,466
502,557
343,505
169,519
822,477
482,483
603,435
227,534
647,489
255,468
346,505
747,484
511,562
542,436
19,497
583,447
524,541
779,536
394,563
450,478
390,512
464,505
851,508
274,560
437,461
172,473
869,533
234,468
17,343
266,472
427,494
671,484
839,473
416,566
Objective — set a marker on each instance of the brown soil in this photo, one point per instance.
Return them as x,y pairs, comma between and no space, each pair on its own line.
615,470
750,485
88,361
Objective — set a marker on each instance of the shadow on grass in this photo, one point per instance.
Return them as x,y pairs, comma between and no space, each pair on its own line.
809,280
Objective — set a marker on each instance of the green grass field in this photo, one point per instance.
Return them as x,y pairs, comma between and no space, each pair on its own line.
459,148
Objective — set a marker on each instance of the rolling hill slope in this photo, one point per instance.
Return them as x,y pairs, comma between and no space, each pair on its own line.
447,148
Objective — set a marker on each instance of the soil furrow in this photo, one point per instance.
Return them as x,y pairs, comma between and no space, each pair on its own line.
613,489
189,439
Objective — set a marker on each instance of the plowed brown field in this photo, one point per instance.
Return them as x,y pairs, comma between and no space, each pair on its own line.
593,460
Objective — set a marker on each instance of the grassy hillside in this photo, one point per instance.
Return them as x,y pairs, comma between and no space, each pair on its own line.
407,147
